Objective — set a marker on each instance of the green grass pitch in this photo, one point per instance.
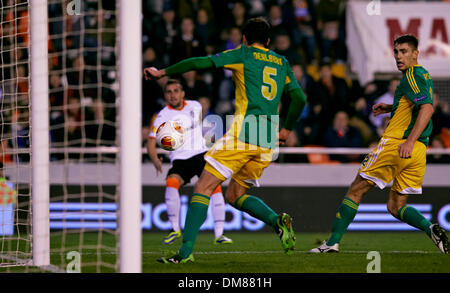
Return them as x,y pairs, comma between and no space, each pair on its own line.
262,253
401,252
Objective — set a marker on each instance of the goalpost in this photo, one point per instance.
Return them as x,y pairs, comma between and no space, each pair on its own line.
84,72
130,138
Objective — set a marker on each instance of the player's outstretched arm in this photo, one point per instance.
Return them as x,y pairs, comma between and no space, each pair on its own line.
381,108
194,63
151,149
298,102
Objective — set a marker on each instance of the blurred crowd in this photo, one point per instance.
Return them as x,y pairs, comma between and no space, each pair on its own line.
83,77
309,33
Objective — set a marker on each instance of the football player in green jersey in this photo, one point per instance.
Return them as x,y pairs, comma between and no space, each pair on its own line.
401,153
260,76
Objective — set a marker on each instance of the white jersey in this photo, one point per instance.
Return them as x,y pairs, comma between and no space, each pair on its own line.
190,117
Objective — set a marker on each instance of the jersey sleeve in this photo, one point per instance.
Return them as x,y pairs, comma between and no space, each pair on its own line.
228,57
156,122
290,82
416,89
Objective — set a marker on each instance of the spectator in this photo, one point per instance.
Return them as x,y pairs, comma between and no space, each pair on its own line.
22,80
150,58
165,29
387,98
187,44
305,80
293,140
84,124
234,39
343,135
210,130
283,47
205,101
310,125
205,30
190,8
384,124
276,21
194,87
329,13
256,7
56,90
441,116
239,14
73,135
152,7
437,143
331,93
361,110
20,128
152,101
83,81
303,30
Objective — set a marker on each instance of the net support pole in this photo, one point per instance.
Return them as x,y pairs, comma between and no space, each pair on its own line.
130,250
40,133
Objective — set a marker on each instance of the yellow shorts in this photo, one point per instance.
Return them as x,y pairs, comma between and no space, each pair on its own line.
231,157
384,164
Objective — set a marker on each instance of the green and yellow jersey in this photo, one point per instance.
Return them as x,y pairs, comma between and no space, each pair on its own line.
415,89
260,77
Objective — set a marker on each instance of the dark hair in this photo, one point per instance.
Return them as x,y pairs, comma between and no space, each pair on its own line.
325,64
412,41
173,81
256,30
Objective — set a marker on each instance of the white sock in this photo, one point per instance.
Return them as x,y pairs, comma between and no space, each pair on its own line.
218,211
172,197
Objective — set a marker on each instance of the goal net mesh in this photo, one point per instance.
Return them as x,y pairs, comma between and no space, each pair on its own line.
15,244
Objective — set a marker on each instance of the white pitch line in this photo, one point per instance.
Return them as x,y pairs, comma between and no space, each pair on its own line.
307,252
275,252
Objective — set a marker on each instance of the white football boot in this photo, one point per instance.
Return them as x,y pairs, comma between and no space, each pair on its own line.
324,248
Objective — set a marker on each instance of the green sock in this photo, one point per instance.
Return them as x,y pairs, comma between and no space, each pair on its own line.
195,217
344,216
255,207
414,218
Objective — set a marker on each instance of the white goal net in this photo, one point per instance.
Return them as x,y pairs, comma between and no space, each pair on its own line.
83,125
15,197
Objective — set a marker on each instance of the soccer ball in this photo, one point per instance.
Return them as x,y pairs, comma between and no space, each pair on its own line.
170,135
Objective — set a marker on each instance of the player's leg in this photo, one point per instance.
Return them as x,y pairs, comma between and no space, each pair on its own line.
237,196
172,200
397,206
223,159
377,168
345,214
217,204
347,210
218,212
197,211
409,181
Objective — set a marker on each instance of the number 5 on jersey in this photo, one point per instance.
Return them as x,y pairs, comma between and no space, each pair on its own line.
269,89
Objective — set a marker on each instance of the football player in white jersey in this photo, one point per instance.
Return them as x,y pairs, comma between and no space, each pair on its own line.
187,161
